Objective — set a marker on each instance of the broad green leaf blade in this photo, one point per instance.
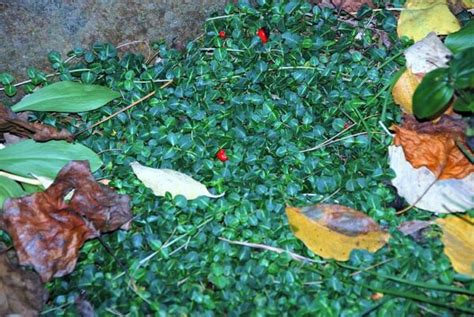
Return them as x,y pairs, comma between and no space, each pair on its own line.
67,96
9,188
462,39
462,69
44,159
433,94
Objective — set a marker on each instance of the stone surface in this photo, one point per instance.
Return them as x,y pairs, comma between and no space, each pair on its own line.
29,29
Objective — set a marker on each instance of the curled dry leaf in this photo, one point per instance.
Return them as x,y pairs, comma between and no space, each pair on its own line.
18,125
427,55
434,145
420,187
161,181
48,231
333,231
458,240
22,293
421,17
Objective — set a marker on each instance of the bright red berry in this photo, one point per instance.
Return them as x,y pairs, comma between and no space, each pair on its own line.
222,34
263,34
221,156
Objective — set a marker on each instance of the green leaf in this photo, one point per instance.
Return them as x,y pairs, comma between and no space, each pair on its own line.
220,54
462,69
6,79
44,159
433,94
291,39
67,96
8,189
462,39
464,102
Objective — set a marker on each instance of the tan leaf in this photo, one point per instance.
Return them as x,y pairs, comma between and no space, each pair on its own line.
427,55
421,17
333,231
404,89
161,181
458,240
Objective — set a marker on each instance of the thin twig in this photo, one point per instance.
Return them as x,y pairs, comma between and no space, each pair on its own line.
222,17
48,76
371,267
20,178
133,104
419,198
328,140
133,43
294,256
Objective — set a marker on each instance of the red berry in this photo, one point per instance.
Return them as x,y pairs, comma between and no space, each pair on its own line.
221,156
222,34
263,34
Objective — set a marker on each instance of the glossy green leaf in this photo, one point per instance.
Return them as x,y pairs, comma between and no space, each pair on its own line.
44,159
464,102
9,188
462,39
433,94
462,69
67,96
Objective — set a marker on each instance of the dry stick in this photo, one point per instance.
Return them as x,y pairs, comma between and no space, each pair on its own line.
418,199
294,256
371,267
328,140
133,104
20,178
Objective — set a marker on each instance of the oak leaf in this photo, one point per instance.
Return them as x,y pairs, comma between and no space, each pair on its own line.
333,231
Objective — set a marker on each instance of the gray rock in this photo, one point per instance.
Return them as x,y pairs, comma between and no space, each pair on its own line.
29,29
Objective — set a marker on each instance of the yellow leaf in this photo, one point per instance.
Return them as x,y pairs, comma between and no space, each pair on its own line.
333,231
458,240
421,17
468,4
404,89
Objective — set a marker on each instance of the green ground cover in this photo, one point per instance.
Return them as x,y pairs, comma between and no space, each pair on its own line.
320,72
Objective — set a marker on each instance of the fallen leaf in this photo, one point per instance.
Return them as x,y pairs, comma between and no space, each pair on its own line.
84,307
468,4
404,89
48,231
18,125
333,231
21,292
421,17
161,181
414,228
444,196
351,5
458,240
434,145
427,55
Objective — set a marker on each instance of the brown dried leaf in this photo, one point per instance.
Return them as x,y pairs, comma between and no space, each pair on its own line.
352,5
21,292
19,126
414,228
48,231
433,145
